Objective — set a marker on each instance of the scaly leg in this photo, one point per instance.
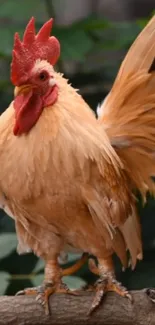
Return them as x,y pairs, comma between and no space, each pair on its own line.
107,281
52,281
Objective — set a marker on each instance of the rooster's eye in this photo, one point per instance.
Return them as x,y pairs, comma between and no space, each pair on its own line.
43,76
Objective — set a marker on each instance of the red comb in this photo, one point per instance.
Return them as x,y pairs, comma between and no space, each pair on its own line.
33,47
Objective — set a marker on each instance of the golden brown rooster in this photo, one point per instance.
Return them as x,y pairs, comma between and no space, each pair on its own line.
67,179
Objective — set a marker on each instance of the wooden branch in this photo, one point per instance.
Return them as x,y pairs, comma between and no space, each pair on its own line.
67,309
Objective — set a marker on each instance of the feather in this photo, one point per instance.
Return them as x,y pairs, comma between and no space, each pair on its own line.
128,114
131,232
141,54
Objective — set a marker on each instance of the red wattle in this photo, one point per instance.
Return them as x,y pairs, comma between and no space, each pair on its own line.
51,96
28,107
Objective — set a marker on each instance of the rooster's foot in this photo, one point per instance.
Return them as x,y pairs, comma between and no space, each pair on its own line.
104,285
107,282
44,291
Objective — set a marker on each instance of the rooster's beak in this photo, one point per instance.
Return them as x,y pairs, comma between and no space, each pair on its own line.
22,89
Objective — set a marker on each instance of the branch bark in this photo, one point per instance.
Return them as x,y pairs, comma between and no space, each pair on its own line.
66,310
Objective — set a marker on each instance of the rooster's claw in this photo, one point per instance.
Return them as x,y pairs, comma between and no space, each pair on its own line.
44,291
104,285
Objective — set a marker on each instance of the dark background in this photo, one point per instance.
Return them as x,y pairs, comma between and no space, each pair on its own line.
94,36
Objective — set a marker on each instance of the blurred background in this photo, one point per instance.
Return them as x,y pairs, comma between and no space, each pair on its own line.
94,37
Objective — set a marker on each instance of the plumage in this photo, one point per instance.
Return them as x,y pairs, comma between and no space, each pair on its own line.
129,109
76,171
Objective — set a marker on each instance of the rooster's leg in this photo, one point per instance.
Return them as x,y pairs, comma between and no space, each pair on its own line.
52,282
107,281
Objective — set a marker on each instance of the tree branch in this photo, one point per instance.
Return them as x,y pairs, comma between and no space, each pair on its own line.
67,309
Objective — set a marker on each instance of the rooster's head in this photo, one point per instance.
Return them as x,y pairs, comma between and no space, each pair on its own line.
32,74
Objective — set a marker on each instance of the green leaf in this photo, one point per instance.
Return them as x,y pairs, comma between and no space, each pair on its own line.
23,10
120,35
92,23
74,282
37,280
4,277
39,266
142,22
7,39
8,242
75,44
6,43
12,21
73,257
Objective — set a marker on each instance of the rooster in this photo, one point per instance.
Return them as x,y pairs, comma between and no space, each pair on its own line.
67,179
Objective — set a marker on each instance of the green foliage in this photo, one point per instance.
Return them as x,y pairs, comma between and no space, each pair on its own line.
8,243
80,41
4,278
77,40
